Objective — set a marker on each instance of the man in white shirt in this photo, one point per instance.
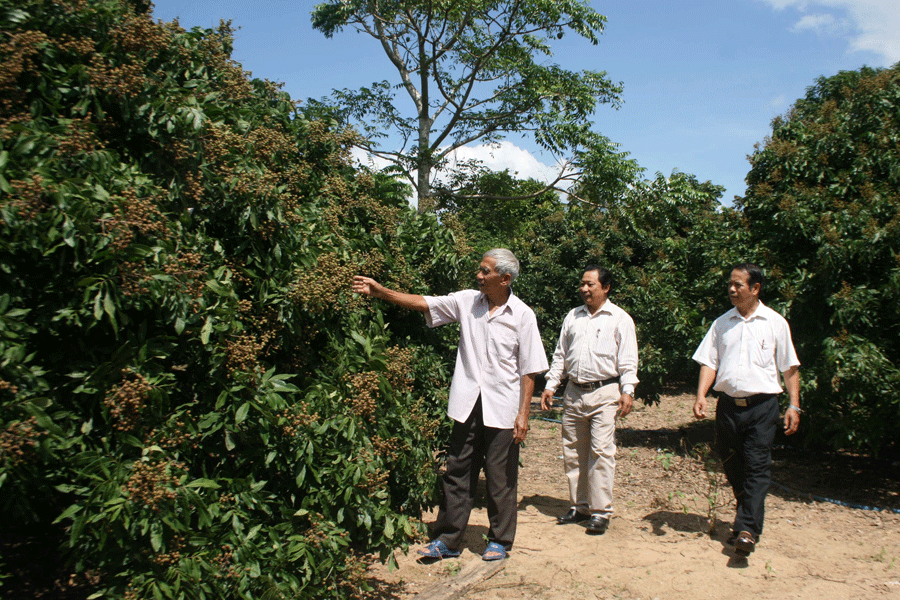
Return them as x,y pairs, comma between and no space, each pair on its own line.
743,352
597,352
499,354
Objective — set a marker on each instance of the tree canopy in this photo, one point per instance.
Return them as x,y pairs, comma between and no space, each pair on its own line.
473,71
192,404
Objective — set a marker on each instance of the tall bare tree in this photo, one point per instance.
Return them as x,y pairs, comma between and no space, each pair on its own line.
474,71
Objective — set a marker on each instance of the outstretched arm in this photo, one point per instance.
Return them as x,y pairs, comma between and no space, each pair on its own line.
370,287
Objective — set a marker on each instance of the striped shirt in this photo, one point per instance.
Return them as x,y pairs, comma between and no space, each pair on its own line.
595,347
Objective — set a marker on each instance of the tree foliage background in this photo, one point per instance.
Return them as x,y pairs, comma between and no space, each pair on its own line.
667,244
191,403
823,207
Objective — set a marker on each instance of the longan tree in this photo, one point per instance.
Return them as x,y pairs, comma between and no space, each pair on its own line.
192,404
823,205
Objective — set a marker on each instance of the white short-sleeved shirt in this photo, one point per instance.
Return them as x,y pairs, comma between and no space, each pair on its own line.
495,352
595,347
748,354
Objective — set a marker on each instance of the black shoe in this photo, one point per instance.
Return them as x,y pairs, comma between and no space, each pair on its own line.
597,525
573,516
744,544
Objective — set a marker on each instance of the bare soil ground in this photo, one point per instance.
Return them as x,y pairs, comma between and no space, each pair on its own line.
658,545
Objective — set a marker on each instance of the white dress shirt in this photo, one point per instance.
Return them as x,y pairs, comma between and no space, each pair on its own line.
495,352
748,354
595,347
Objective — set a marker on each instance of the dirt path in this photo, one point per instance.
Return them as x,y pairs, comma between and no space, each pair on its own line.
657,545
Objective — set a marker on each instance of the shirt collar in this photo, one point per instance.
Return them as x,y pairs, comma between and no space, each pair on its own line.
606,308
482,297
759,313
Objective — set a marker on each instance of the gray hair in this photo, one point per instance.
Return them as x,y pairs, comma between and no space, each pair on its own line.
507,263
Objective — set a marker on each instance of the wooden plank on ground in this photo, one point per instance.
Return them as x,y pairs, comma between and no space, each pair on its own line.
474,572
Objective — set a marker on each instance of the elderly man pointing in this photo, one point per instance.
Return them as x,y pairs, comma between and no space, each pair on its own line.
499,354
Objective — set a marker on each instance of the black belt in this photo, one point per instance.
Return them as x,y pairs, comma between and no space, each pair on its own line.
749,400
593,385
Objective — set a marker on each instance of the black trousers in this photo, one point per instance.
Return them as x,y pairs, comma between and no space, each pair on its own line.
744,437
473,446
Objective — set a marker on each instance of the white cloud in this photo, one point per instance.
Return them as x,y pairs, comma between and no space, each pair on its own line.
779,101
870,25
369,160
505,155
822,25
521,163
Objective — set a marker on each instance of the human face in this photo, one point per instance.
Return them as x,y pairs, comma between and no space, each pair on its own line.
593,292
490,282
742,296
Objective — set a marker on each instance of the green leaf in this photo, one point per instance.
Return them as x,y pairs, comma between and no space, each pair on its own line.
68,513
218,288
156,540
98,305
110,309
206,331
241,413
203,483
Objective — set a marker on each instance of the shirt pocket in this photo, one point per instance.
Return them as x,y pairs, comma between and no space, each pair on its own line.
764,351
603,344
505,345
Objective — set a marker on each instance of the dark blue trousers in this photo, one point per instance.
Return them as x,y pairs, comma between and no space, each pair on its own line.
744,437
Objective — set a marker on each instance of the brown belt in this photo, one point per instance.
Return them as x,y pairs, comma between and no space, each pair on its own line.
749,400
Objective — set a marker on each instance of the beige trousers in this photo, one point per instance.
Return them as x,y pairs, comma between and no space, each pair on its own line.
589,447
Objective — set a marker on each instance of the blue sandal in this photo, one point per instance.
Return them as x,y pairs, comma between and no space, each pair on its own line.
494,551
438,549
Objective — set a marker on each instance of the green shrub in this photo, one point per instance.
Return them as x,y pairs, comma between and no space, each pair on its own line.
824,210
191,401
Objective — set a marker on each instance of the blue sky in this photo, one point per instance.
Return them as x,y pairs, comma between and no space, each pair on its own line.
703,78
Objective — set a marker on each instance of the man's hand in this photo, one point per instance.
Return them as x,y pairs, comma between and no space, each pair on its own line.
367,286
791,421
625,404
700,407
792,384
370,287
707,377
546,400
520,429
